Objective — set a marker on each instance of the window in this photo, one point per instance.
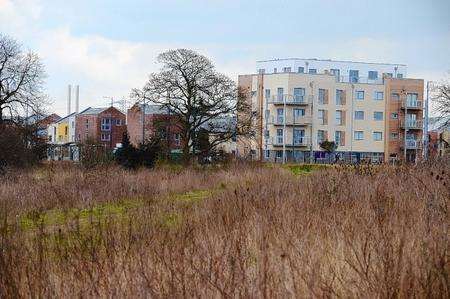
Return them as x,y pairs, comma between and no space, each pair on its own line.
400,76
261,71
373,75
267,114
377,136
118,122
280,115
395,96
339,137
320,136
280,92
394,115
298,136
378,95
313,71
266,134
340,98
299,94
411,100
267,93
73,124
322,96
280,136
359,115
298,113
339,117
105,137
360,95
301,69
394,136
176,138
87,123
336,73
275,70
387,75
279,154
322,117
267,154
66,130
378,115
106,124
353,76
287,70
359,135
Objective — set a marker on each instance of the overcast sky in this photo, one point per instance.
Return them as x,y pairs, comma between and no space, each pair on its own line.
109,47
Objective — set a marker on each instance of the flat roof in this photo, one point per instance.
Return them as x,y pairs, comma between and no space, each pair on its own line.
330,60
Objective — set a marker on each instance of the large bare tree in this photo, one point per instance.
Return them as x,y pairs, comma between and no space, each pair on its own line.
21,80
201,98
441,98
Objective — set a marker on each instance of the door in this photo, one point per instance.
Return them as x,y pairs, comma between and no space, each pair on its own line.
280,136
299,94
299,136
280,116
280,92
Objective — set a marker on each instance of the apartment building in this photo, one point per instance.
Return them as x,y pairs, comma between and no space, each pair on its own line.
154,121
63,130
105,126
370,110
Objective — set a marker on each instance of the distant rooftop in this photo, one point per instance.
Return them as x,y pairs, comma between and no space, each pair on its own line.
330,60
91,110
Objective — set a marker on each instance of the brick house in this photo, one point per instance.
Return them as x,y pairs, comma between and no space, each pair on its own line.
101,125
157,122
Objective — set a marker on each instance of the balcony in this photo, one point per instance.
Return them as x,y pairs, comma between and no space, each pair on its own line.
412,144
412,105
289,100
354,79
412,124
296,142
290,121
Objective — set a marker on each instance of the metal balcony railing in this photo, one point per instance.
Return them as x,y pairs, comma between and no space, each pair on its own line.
297,141
412,124
412,144
415,104
289,99
290,121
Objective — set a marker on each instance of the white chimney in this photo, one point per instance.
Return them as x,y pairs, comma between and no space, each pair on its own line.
77,98
69,100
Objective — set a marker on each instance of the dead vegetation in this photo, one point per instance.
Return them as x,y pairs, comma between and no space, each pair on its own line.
244,231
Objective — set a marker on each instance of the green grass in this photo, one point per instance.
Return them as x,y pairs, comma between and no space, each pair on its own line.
302,169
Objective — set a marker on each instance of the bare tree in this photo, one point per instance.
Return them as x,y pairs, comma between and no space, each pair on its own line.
441,98
190,88
21,80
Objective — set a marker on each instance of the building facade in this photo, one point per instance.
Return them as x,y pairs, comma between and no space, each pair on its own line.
299,103
105,126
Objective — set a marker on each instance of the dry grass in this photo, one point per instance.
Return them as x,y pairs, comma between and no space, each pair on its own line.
244,231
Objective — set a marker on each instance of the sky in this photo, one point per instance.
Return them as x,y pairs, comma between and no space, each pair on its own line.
109,47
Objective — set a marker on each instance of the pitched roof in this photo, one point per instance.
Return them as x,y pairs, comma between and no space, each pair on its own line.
91,110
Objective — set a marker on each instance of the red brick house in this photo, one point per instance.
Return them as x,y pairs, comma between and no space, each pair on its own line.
157,122
101,125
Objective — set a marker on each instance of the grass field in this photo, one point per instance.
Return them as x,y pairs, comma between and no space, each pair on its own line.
240,231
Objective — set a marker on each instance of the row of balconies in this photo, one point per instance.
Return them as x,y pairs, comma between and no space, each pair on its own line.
306,100
298,141
412,144
290,121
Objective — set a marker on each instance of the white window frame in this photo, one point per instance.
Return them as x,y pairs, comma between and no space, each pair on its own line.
359,92
378,112
377,94
377,133
105,137
361,112
106,124
356,135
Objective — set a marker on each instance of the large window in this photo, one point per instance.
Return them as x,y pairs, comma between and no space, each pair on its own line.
359,115
378,95
313,71
359,135
360,95
322,96
106,124
320,136
298,113
280,136
411,99
322,117
378,115
339,117
353,76
339,137
340,97
377,136
373,75
299,94
280,115
301,69
267,93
